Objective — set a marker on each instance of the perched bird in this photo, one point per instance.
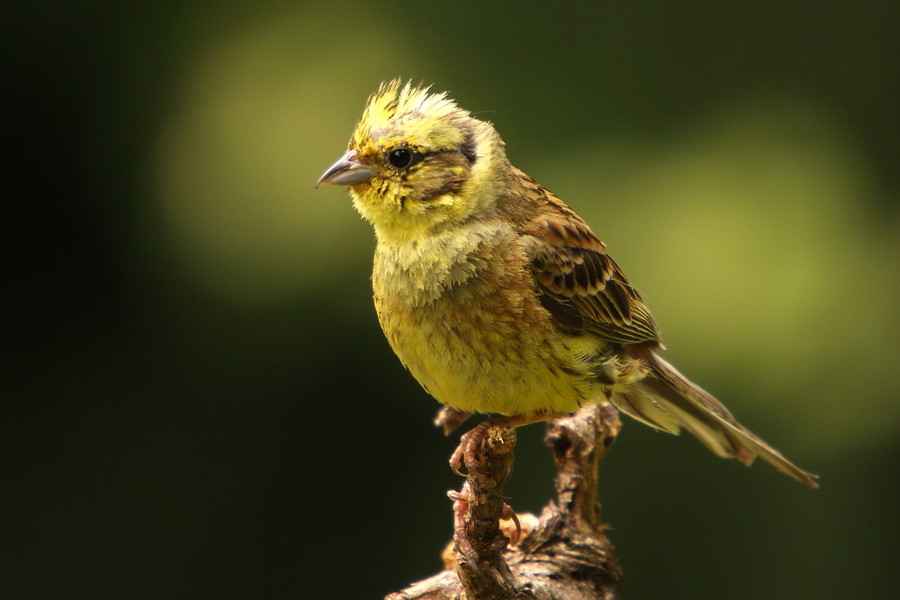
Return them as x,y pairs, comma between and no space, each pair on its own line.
497,296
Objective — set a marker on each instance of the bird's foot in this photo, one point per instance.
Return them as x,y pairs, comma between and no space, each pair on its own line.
449,418
471,446
490,432
461,539
507,513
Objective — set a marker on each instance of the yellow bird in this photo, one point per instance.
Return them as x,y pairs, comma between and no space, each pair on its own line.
497,296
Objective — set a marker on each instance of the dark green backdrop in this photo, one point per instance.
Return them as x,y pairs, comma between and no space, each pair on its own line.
197,401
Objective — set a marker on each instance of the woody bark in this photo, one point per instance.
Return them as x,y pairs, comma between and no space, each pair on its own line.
563,554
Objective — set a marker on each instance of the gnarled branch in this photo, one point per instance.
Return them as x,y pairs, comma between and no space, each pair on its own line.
563,554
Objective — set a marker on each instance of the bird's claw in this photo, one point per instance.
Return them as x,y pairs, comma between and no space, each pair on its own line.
460,535
467,452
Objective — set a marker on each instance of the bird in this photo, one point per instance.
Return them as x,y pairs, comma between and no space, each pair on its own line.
498,297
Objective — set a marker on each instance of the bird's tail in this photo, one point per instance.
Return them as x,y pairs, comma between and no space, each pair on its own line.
667,400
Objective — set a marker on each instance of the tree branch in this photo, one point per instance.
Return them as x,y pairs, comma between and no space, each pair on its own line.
563,554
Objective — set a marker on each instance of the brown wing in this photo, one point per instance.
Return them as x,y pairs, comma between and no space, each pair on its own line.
581,286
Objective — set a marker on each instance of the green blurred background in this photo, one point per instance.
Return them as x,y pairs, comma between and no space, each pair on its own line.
199,403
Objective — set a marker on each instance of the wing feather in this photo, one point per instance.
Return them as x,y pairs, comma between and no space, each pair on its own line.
571,267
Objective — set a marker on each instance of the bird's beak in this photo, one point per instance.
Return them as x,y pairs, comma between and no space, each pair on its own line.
346,171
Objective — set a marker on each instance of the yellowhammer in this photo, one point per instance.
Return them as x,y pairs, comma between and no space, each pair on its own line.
497,296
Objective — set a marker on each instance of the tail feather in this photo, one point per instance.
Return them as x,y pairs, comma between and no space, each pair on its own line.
667,400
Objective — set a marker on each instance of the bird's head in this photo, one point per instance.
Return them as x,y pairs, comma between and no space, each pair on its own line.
417,162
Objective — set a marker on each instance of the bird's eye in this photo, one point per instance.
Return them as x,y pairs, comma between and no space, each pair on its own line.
402,158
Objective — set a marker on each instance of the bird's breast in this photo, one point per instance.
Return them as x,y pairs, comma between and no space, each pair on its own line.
463,317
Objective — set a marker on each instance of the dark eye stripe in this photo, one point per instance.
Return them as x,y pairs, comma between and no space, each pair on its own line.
468,148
